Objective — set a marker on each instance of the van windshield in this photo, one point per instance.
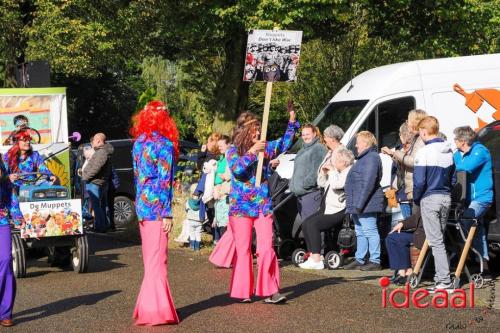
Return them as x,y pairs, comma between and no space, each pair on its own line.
341,114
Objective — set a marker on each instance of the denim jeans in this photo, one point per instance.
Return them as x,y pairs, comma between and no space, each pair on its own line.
98,199
367,237
476,210
405,209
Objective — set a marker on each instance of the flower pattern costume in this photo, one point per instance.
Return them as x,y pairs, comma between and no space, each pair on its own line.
153,170
31,163
154,153
250,207
245,199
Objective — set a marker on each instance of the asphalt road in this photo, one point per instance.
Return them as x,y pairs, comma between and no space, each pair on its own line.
53,300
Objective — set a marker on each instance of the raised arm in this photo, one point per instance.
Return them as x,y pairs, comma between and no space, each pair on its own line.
276,147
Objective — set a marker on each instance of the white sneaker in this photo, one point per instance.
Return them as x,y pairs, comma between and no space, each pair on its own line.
311,264
448,287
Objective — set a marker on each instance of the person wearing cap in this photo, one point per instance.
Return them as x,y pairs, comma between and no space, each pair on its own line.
21,158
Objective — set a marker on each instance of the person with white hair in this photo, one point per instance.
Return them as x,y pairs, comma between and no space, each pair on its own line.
332,136
332,210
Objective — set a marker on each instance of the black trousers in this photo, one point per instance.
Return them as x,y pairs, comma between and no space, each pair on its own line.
315,224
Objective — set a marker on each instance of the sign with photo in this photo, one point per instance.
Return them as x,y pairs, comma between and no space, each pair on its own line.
51,218
272,55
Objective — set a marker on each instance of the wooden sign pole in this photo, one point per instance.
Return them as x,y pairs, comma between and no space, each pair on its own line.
263,133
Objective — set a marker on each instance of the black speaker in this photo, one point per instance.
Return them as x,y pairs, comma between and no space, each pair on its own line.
33,74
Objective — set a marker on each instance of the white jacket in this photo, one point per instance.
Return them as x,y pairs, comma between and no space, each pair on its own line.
322,179
209,168
335,196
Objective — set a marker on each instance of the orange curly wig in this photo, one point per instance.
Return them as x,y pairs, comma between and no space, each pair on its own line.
154,117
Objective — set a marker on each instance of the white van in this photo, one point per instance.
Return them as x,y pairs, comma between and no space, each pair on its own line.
458,91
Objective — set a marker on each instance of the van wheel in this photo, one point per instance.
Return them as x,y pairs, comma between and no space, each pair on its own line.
80,255
18,256
125,213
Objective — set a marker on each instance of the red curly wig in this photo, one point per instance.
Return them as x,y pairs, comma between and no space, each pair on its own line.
155,118
14,152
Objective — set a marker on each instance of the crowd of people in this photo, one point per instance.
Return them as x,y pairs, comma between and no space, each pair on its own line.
329,181
424,167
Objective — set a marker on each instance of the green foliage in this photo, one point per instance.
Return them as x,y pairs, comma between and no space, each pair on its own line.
73,35
10,40
114,56
145,97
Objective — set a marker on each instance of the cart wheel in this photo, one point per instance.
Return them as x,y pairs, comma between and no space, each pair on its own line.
456,282
18,256
478,280
414,280
298,256
80,255
333,260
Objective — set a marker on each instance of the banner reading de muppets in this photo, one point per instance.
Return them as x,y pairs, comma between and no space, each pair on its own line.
51,218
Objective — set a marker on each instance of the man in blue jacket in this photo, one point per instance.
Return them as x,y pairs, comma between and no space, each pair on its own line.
475,159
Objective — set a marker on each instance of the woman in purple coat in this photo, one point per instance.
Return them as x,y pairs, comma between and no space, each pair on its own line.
7,280
155,150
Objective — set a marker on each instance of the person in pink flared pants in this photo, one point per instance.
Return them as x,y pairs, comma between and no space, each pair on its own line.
225,251
250,207
156,147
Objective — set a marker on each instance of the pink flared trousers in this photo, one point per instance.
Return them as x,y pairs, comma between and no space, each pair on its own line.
154,304
224,252
268,274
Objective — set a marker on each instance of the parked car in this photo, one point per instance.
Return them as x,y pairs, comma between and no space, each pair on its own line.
121,159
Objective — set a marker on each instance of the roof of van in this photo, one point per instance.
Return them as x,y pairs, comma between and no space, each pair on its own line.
413,75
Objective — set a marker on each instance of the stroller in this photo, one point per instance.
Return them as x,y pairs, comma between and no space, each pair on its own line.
457,244
289,240
338,244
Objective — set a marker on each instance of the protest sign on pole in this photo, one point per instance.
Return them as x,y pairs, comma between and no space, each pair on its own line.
272,56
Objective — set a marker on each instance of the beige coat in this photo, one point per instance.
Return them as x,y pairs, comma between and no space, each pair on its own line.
322,180
335,195
407,161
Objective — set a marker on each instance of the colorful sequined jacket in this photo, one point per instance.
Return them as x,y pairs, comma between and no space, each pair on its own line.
153,159
245,199
32,163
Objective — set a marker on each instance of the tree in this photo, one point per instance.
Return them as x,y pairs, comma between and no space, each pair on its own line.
11,24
